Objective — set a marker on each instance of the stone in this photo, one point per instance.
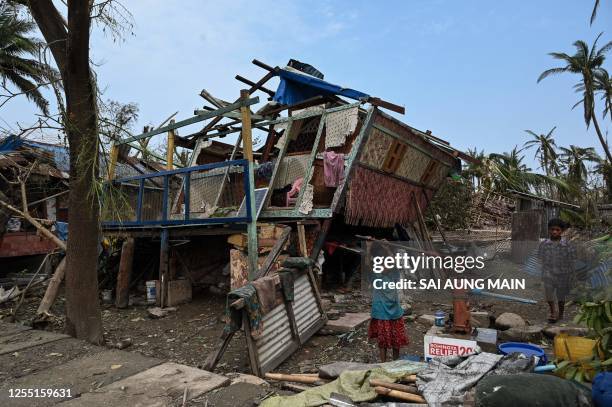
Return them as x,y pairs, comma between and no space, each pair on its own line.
509,320
479,319
157,312
426,319
532,333
553,330
407,307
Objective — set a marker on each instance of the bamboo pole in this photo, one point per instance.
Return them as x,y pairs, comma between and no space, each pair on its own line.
296,378
400,395
393,386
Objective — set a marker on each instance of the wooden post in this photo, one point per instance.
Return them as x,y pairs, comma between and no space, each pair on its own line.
52,288
163,268
170,148
114,155
247,145
125,270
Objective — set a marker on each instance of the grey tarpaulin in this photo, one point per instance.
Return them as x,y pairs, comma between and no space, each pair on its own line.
445,382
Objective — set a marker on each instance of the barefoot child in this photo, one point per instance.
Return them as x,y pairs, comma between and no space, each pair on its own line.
557,257
387,322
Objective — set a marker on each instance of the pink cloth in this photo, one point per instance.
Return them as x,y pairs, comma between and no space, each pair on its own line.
295,190
333,168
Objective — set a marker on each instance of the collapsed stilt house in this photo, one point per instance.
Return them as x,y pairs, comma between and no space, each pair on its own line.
331,154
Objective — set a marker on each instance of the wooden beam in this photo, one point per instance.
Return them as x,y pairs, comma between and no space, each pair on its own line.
247,147
170,148
216,114
163,268
276,250
253,84
387,105
114,155
125,270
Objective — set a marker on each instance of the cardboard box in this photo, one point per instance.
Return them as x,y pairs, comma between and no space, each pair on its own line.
436,346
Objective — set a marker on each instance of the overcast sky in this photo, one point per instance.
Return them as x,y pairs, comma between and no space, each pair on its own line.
466,69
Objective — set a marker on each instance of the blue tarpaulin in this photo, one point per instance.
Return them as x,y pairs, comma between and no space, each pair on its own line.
61,230
61,156
295,87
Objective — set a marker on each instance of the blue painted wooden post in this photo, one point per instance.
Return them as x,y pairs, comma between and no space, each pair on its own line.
247,145
141,186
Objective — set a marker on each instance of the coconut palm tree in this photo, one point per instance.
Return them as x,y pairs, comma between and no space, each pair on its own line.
603,86
574,159
27,75
546,152
587,62
594,12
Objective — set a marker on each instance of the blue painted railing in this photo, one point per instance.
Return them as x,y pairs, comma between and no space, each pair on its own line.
186,173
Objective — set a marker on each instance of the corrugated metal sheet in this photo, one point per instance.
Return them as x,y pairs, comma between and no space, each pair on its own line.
305,306
278,339
276,336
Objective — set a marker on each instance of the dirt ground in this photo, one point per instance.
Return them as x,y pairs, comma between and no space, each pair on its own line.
189,334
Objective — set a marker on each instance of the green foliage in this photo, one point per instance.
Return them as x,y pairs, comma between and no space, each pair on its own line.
452,203
27,75
598,317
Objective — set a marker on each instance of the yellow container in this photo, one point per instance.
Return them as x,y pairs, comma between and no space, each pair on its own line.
578,347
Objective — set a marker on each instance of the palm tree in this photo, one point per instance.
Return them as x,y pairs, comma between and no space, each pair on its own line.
587,63
575,158
603,85
594,12
27,75
545,150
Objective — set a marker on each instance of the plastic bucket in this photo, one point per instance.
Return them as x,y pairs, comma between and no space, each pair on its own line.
151,291
577,346
107,296
439,318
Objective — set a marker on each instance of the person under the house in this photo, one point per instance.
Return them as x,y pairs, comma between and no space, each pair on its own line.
557,257
387,317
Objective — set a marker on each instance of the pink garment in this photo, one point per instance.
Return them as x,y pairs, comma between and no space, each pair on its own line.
295,190
333,168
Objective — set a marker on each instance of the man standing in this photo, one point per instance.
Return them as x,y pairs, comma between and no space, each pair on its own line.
557,257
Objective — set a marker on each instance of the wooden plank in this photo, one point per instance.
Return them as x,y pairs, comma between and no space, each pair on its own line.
255,85
247,147
125,271
251,346
276,250
213,359
163,267
302,239
279,158
170,148
217,114
114,155
311,160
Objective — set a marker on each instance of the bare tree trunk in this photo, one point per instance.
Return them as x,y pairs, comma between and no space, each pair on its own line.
70,49
83,318
602,140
